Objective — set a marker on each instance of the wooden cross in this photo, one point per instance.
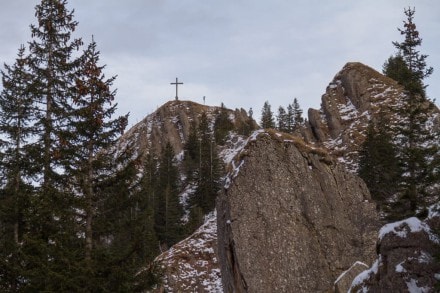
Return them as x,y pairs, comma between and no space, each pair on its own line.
177,84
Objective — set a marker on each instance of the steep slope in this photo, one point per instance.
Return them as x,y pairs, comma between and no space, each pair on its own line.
191,265
171,123
357,94
291,219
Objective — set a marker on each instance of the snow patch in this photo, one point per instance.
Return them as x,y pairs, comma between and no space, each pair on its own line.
365,275
399,268
345,272
414,288
410,225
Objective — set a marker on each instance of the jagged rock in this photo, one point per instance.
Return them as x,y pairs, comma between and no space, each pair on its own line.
357,94
191,265
406,259
171,123
291,220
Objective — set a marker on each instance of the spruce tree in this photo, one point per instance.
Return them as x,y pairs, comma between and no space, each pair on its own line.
168,210
16,128
282,124
53,68
290,119
209,169
378,165
414,139
222,125
297,114
93,165
51,248
267,120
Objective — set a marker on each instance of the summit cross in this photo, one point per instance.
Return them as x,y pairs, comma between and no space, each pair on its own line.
177,84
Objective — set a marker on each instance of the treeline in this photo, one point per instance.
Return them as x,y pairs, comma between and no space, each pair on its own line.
400,161
289,121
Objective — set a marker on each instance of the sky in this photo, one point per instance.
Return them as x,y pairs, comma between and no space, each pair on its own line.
237,52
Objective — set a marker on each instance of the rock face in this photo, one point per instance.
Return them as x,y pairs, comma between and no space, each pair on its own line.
291,220
191,265
406,258
357,94
171,123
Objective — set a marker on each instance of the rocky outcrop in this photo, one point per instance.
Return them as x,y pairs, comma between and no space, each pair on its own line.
291,219
171,123
192,265
356,95
406,262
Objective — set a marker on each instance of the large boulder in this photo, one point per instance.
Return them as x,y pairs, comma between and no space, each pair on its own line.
291,219
406,262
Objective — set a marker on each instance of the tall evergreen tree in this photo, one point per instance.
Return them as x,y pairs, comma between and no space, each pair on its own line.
191,152
267,120
414,60
290,119
209,169
378,165
414,140
53,68
297,111
52,245
16,128
282,123
222,125
168,210
93,164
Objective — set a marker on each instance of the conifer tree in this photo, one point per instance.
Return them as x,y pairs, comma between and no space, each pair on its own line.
290,119
51,247
16,128
93,163
222,125
378,165
267,120
297,111
53,68
191,152
414,139
168,210
209,169
282,120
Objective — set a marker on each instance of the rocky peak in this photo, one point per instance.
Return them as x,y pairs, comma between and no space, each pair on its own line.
356,94
171,123
290,218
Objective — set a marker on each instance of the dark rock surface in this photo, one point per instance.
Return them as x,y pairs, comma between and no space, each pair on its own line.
406,259
291,220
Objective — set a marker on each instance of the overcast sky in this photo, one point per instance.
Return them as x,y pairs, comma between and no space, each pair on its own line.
239,52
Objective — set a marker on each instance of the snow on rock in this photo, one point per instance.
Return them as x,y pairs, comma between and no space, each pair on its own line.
410,225
406,262
365,275
191,265
413,287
